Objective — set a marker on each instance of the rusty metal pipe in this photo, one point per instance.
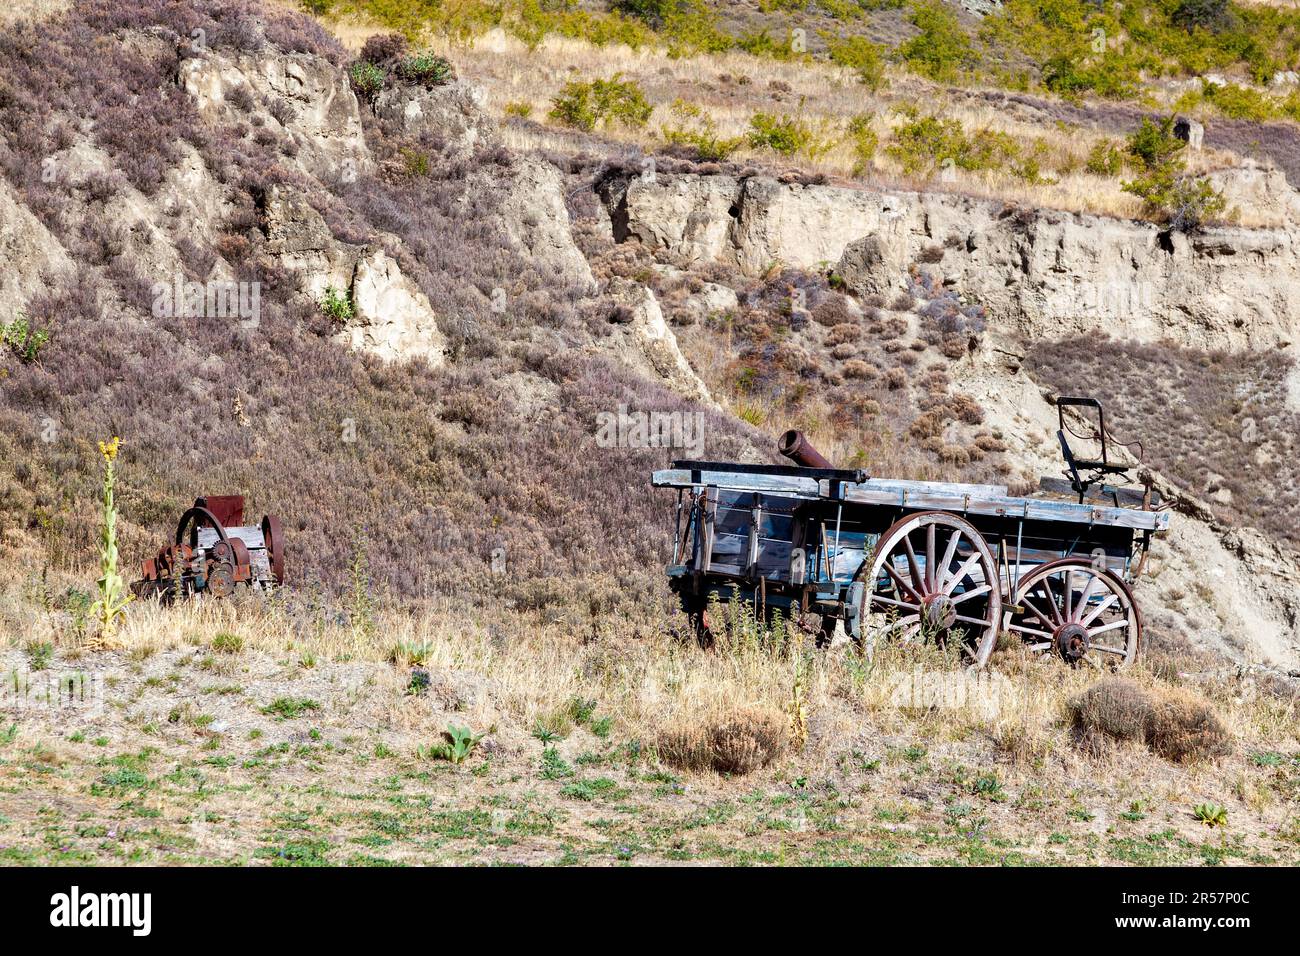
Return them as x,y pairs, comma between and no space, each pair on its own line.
795,446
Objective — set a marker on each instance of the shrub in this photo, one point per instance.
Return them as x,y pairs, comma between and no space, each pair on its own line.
1154,144
519,108
1213,15
455,747
22,339
942,49
696,130
601,102
1183,202
860,55
1105,159
337,305
863,139
367,80
1175,724
383,48
654,13
734,743
787,135
1239,102
426,68
925,143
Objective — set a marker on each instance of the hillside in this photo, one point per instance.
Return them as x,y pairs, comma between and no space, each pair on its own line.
460,237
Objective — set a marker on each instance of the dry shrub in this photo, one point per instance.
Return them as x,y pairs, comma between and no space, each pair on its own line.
736,742
1174,723
844,332
832,311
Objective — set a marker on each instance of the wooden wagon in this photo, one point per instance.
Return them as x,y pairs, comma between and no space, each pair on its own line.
917,560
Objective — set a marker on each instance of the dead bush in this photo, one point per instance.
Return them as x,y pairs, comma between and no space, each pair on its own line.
738,742
895,378
844,350
1174,723
832,311
858,369
844,332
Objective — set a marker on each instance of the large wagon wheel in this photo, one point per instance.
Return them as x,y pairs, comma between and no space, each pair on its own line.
1077,611
932,577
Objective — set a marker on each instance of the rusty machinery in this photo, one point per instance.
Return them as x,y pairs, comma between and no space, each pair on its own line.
214,551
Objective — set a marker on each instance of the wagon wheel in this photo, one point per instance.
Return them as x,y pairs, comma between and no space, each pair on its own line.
1077,611
933,577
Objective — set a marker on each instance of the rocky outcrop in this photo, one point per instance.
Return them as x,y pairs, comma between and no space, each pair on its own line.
307,97
392,317
1037,272
31,255
452,113
644,341
534,215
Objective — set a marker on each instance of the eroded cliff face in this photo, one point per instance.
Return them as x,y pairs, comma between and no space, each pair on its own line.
1038,272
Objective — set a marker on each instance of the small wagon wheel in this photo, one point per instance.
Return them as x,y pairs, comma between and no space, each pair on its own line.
932,576
1077,611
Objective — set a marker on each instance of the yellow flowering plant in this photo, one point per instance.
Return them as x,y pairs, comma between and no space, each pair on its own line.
113,595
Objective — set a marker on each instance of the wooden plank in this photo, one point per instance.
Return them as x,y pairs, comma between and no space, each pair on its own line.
732,481
998,506
937,487
925,496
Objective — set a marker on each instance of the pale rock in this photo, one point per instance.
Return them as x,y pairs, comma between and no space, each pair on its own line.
453,112
647,344
313,99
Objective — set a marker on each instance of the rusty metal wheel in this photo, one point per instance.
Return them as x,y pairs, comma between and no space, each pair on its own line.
933,577
1078,612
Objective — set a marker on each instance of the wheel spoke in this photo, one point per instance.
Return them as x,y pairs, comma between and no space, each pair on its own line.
1084,597
1029,630
917,578
1122,622
973,620
1042,646
1092,615
974,592
1051,600
903,585
948,556
1067,599
881,599
1033,608
1108,650
962,572
930,577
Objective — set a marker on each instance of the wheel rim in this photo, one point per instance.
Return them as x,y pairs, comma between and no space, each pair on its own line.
1077,612
933,578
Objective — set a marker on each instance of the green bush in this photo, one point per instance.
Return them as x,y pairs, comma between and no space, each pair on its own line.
942,50
860,55
1181,201
1105,159
426,68
696,130
786,135
1240,102
927,142
1154,144
22,339
367,80
1213,15
337,305
601,102
864,139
